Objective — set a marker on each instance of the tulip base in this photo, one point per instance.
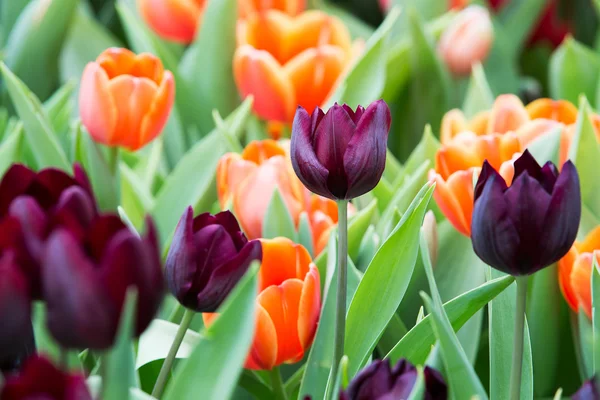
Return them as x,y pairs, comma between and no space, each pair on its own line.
517,359
342,286
277,384
161,381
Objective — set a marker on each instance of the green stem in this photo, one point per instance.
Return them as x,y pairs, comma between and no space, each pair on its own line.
342,287
517,359
113,160
166,367
277,384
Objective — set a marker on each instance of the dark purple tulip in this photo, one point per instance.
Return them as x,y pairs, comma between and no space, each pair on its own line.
588,391
341,154
39,379
86,278
379,381
531,224
208,256
41,201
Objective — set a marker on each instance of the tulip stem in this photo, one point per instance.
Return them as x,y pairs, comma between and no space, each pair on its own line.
517,359
159,386
277,384
342,287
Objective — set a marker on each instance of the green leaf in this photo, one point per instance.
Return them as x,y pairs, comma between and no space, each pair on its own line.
365,80
425,151
156,341
225,343
388,275
418,390
278,220
358,225
479,95
34,43
9,12
120,360
595,282
585,153
573,71
341,379
586,343
305,237
192,180
59,100
501,64
547,147
38,131
462,379
136,200
416,344
94,384
10,148
519,19
210,79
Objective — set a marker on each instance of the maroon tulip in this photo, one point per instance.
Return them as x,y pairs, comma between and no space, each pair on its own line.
341,154
380,382
522,228
86,278
42,201
588,391
39,379
208,256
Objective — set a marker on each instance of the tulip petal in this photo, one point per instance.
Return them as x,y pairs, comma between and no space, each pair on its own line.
565,266
230,223
14,183
304,159
158,112
546,176
508,114
97,108
557,110
309,307
172,20
364,158
101,232
32,217
75,210
591,242
581,284
282,259
455,198
263,353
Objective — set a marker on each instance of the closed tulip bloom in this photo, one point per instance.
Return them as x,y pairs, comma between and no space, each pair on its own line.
378,381
290,7
588,391
175,20
86,280
125,99
208,256
285,61
522,228
40,379
467,41
341,155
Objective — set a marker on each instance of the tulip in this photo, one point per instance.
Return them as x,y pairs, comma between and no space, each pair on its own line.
125,99
379,381
290,7
575,270
86,277
557,110
288,305
40,379
40,201
175,20
467,41
340,155
285,61
588,391
208,256
522,228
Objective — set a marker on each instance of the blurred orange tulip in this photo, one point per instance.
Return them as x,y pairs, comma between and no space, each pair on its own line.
467,40
290,7
457,165
125,99
288,61
288,305
175,20
575,270
561,111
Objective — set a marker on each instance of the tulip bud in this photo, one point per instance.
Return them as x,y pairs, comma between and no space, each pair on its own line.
430,231
85,281
175,20
522,228
39,379
380,382
341,155
467,40
125,99
208,256
588,391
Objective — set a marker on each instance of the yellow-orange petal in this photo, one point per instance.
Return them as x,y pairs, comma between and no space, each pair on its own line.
97,108
309,307
290,7
158,113
479,123
455,198
258,74
282,259
175,20
232,170
263,353
557,110
565,266
591,242
507,114
116,61
461,153
453,123
265,31
581,282
313,74
259,151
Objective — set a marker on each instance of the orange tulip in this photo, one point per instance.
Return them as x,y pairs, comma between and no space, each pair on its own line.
290,7
175,20
286,61
288,305
125,99
574,272
557,110
459,162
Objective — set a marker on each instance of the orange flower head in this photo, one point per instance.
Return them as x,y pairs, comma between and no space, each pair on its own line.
290,7
125,99
288,305
557,110
246,182
286,61
175,20
507,114
458,164
575,270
